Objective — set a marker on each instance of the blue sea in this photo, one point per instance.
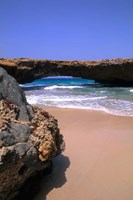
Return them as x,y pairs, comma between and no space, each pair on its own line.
70,92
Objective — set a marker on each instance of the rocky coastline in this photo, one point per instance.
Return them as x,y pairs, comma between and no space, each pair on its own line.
29,138
116,71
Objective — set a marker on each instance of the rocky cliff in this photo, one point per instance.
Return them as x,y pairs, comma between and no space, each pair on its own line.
118,71
29,138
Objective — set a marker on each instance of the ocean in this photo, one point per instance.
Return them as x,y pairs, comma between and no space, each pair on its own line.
70,92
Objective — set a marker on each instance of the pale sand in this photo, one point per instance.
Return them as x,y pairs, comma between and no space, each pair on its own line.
98,161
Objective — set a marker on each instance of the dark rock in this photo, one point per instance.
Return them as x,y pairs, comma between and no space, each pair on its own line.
32,185
21,132
10,90
29,138
7,138
22,148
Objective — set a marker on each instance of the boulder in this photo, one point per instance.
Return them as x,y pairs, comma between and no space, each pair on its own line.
29,138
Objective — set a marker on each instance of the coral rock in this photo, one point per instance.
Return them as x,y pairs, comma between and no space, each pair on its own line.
29,138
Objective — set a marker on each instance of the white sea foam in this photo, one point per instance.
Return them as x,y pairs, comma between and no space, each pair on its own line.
112,106
65,94
61,87
31,85
102,91
33,98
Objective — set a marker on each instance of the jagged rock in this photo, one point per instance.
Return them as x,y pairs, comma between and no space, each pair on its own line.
29,138
116,71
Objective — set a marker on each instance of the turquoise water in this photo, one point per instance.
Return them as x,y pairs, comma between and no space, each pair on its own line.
69,92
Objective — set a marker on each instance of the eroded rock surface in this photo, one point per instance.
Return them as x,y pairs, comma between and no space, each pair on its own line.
29,138
116,71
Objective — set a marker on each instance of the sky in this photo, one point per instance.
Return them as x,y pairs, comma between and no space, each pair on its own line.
66,29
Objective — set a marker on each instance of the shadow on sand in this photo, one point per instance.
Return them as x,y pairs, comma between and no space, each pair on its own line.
40,186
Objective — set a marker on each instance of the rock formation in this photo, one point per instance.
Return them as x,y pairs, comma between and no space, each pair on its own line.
29,138
117,71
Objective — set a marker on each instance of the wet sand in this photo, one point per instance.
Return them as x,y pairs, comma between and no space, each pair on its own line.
98,161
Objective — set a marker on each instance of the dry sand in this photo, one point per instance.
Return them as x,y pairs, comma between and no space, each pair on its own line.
98,161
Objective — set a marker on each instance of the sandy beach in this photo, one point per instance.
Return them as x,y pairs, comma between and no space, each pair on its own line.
98,161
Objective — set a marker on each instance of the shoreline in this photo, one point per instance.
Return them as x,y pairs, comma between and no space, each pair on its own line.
81,109
97,162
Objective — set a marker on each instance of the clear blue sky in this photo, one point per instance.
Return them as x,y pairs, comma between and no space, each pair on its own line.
66,29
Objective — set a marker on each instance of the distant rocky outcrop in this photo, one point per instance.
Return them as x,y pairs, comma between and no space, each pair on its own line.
115,71
29,138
